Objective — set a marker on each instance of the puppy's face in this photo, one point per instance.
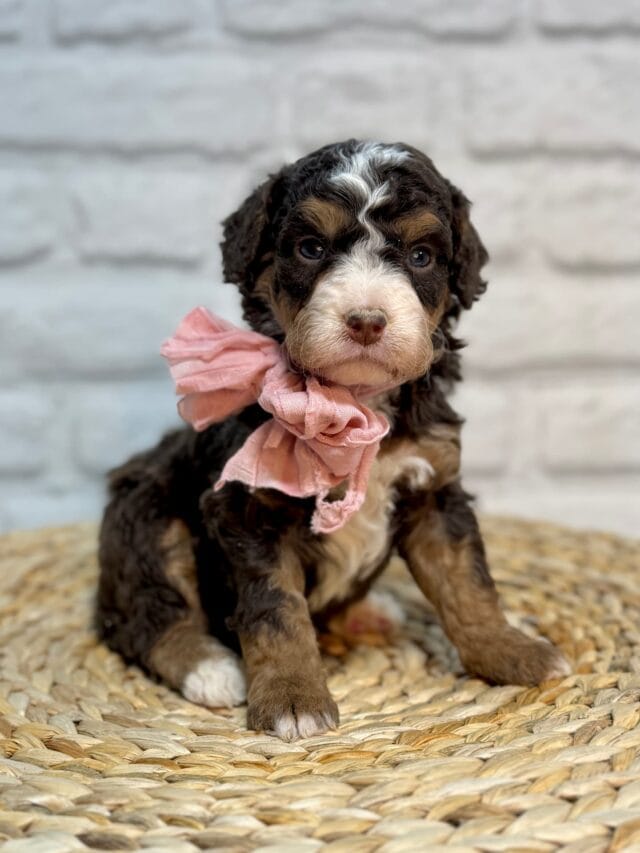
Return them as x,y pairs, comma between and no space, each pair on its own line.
354,254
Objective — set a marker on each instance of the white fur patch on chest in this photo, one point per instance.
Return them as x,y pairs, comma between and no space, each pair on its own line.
352,553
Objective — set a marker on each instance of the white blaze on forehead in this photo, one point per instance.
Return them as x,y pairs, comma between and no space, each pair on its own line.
356,175
356,170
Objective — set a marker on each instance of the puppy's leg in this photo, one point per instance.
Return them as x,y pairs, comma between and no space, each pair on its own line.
288,695
442,545
149,606
185,656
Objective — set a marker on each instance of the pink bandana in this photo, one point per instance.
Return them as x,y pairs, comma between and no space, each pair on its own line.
319,435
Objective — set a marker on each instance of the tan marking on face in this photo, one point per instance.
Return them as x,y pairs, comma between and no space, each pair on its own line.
437,315
264,282
284,309
327,216
438,340
419,223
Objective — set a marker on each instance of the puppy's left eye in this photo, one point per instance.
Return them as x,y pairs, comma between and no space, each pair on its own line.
311,249
420,256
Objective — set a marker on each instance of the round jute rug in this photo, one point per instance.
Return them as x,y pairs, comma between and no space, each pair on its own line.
95,755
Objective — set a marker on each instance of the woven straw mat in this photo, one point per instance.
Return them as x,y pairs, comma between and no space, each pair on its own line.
95,755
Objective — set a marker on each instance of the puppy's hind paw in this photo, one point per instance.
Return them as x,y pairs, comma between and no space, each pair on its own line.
371,621
217,682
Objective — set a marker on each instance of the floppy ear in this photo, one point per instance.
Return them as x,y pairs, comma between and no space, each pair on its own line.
248,249
469,255
246,236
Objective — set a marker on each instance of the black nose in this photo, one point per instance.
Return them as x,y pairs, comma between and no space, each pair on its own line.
366,326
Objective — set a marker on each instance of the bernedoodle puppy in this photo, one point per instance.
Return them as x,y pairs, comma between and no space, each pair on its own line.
358,258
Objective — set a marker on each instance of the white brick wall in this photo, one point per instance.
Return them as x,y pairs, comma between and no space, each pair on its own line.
130,128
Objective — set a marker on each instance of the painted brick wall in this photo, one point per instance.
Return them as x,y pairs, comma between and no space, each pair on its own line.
129,128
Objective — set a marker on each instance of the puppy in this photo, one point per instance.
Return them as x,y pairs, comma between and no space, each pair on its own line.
359,258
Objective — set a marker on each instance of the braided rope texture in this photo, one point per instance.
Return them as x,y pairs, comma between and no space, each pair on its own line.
94,755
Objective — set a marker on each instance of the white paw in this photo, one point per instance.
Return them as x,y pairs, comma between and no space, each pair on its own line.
217,682
289,727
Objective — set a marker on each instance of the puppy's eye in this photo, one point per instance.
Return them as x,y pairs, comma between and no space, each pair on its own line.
420,256
311,249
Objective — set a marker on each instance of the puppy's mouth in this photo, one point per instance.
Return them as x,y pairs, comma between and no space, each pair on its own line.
355,372
354,369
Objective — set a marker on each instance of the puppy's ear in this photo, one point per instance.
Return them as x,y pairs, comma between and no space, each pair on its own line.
469,255
246,235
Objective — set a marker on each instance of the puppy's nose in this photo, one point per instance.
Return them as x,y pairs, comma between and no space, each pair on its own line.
366,326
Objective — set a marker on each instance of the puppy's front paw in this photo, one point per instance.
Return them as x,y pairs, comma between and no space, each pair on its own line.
510,657
291,708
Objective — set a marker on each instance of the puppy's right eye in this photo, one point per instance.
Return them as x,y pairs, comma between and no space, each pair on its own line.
311,249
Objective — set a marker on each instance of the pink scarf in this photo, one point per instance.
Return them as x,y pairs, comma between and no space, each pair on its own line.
319,435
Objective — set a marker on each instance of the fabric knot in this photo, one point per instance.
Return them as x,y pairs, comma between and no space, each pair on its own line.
319,434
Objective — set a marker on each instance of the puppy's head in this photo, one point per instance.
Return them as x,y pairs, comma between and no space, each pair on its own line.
354,255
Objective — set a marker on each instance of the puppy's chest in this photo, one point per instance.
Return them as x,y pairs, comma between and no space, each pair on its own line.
352,554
